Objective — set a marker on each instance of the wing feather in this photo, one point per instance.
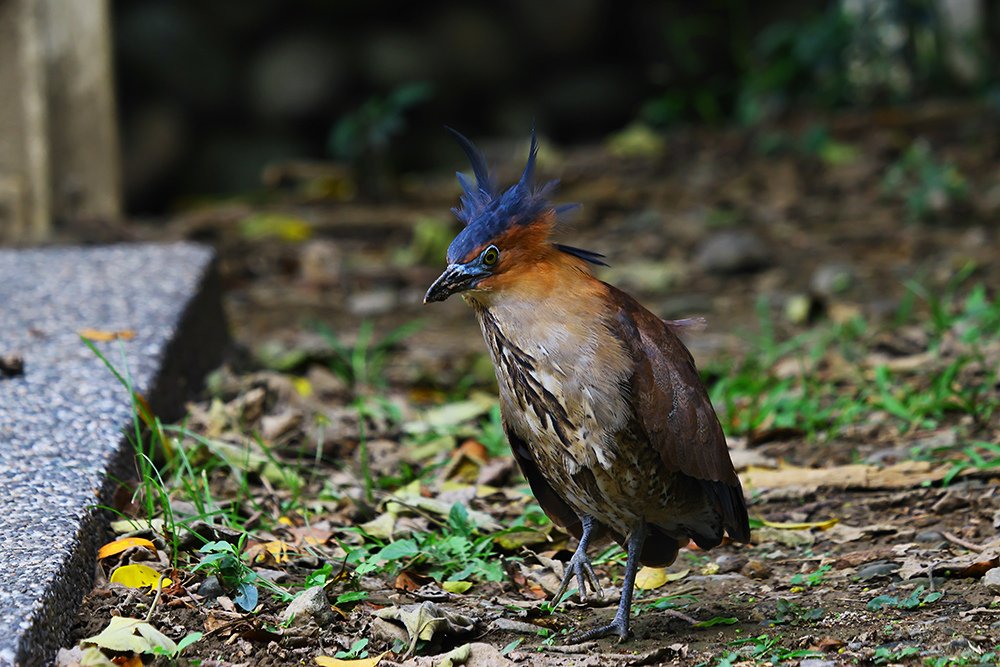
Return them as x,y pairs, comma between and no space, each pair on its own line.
674,411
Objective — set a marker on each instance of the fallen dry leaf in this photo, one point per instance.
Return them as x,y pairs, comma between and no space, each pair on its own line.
101,336
903,475
324,661
138,576
649,578
131,634
118,546
456,586
818,525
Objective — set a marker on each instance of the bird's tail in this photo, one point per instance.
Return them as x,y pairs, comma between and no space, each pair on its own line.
659,550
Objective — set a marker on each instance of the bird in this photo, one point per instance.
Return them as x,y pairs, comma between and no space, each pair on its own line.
601,401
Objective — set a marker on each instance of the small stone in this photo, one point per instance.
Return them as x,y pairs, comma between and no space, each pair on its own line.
274,576
11,365
929,536
831,279
992,580
731,563
210,588
311,604
733,252
756,569
817,662
876,570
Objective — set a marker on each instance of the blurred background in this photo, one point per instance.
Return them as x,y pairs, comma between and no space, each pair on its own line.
210,93
807,160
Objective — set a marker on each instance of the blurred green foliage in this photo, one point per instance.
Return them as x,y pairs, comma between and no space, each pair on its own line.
846,54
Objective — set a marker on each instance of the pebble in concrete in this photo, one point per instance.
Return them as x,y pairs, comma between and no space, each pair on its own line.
62,418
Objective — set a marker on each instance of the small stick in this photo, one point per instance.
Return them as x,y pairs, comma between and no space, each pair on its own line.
955,539
680,615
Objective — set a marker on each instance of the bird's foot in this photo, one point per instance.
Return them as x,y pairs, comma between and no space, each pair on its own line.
579,566
619,626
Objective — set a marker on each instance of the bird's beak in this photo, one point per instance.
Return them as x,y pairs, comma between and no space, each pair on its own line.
456,278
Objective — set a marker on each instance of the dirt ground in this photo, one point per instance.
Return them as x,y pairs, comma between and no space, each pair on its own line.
860,553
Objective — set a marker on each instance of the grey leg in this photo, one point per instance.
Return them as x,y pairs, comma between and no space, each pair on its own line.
581,567
620,625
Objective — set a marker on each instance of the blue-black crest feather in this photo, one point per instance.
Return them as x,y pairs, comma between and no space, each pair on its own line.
479,168
585,255
487,213
529,168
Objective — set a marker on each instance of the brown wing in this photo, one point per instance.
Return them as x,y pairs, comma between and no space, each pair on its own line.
674,411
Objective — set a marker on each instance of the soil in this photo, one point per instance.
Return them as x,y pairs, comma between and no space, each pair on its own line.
798,595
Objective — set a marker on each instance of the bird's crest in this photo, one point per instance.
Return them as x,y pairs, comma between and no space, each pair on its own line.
487,212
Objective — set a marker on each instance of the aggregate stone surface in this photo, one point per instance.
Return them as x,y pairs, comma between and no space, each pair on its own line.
62,421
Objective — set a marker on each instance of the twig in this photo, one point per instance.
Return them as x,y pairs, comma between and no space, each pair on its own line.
955,539
679,614
571,648
159,591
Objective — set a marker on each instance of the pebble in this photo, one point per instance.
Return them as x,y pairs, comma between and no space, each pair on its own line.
817,662
992,580
931,536
876,570
831,279
731,563
210,588
311,604
756,569
732,252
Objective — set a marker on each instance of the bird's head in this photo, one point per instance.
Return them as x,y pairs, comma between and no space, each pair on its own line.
506,235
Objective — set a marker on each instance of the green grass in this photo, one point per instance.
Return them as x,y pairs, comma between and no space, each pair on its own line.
762,649
926,185
827,382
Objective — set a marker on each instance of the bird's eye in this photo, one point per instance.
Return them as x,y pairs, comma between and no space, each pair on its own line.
491,255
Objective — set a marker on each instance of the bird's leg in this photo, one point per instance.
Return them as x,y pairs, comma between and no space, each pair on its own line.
581,567
620,624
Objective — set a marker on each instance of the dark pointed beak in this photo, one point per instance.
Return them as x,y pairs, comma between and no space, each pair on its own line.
456,278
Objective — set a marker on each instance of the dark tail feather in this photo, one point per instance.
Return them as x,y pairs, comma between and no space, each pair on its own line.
732,505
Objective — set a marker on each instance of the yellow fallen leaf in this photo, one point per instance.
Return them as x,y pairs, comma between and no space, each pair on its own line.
819,525
118,546
278,549
326,661
456,586
285,521
100,336
138,576
303,387
275,225
649,578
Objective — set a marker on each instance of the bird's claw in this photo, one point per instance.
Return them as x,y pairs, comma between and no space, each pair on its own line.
579,566
619,626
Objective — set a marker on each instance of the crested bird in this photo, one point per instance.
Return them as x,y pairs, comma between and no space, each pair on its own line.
601,402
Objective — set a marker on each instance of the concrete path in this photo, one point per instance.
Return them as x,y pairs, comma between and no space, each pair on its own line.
62,420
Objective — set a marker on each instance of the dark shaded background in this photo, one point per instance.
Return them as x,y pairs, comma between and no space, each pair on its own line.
210,92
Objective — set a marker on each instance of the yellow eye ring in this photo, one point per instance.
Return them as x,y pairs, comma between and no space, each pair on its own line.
491,255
